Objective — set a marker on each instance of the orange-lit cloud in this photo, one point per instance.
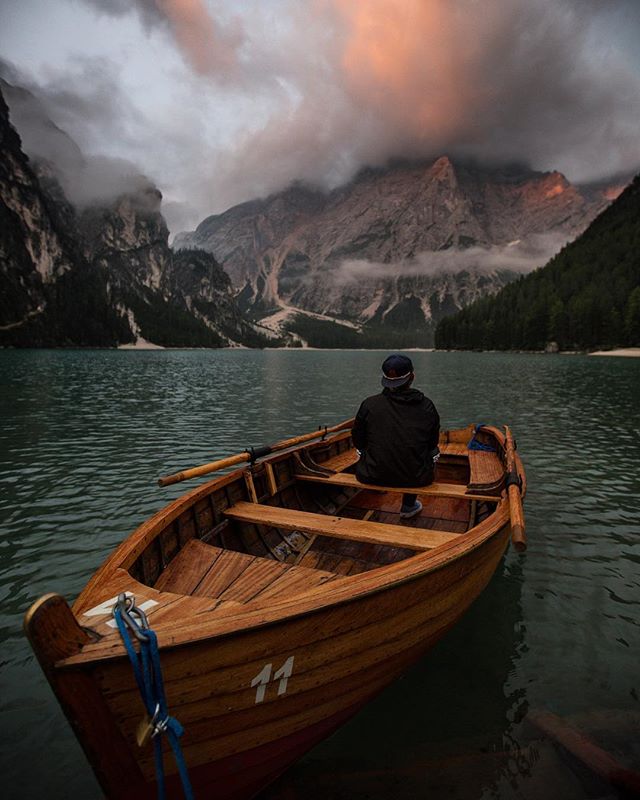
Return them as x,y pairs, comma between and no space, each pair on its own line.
399,62
246,97
199,37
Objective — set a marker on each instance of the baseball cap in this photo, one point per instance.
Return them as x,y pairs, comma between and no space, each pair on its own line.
396,371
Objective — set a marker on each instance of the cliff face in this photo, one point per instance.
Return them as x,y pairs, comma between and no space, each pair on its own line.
48,287
101,274
397,246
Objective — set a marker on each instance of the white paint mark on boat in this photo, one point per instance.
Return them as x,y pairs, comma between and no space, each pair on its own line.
263,678
284,673
106,607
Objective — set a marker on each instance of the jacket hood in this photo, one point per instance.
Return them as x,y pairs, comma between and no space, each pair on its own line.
404,396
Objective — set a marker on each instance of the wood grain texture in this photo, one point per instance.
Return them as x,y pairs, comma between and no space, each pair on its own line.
342,657
487,471
340,527
345,628
433,490
342,461
188,568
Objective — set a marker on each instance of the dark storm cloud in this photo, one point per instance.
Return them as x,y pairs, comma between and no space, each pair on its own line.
500,80
283,91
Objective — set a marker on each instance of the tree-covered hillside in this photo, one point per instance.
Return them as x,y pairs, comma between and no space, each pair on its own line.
586,297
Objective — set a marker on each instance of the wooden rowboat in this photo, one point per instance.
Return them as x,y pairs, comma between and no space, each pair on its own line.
284,596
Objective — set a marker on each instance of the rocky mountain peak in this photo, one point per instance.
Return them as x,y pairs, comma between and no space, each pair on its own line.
100,273
373,251
442,170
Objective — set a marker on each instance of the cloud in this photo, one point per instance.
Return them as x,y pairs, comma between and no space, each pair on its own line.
518,256
219,102
502,80
85,177
209,47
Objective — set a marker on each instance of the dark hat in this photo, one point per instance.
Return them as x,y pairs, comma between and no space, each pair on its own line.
396,371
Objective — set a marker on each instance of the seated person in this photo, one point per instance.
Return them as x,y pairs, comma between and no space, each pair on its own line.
396,433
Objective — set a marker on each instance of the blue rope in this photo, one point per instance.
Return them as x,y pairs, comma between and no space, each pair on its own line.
474,444
148,675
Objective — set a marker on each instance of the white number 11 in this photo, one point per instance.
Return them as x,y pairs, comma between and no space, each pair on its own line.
264,676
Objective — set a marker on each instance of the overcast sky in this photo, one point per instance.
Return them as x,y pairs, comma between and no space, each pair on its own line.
220,101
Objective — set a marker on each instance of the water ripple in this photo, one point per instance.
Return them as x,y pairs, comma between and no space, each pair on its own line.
84,435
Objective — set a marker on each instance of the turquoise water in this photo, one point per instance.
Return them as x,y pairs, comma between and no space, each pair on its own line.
84,434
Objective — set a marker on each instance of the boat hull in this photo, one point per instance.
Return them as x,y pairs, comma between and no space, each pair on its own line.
242,731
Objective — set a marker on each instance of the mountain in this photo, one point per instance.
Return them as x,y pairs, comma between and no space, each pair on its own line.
587,297
99,273
50,293
395,250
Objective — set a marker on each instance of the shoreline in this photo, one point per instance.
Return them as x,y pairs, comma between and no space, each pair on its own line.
622,352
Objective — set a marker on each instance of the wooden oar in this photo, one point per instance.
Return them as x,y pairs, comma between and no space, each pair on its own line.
250,455
518,537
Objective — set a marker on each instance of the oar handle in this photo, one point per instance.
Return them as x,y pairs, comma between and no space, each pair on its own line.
251,454
516,512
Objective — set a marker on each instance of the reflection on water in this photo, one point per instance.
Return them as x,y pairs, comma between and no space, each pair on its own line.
85,434
440,728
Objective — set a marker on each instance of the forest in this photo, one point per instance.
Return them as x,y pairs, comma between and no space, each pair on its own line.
587,297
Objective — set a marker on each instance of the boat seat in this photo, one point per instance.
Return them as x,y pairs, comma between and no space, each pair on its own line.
454,490
342,461
203,570
453,449
487,472
340,527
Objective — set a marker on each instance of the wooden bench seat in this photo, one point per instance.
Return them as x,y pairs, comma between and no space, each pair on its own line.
486,472
434,489
453,449
342,461
339,527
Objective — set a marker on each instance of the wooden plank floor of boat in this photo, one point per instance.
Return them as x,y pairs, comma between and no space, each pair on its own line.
230,575
202,579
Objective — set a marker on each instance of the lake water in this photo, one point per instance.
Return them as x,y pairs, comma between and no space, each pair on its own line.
84,435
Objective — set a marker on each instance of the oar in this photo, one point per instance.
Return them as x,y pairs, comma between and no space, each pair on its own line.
250,455
518,537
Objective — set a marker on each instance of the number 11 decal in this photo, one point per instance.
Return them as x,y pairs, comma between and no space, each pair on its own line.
264,677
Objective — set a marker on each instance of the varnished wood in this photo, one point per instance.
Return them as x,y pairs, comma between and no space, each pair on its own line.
188,568
433,490
251,489
350,617
342,461
340,527
271,481
54,634
230,565
518,536
454,449
486,472
232,461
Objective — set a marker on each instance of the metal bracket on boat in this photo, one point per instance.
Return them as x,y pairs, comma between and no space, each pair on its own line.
258,452
513,479
129,611
324,435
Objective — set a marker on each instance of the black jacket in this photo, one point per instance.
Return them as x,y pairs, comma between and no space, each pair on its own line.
396,433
